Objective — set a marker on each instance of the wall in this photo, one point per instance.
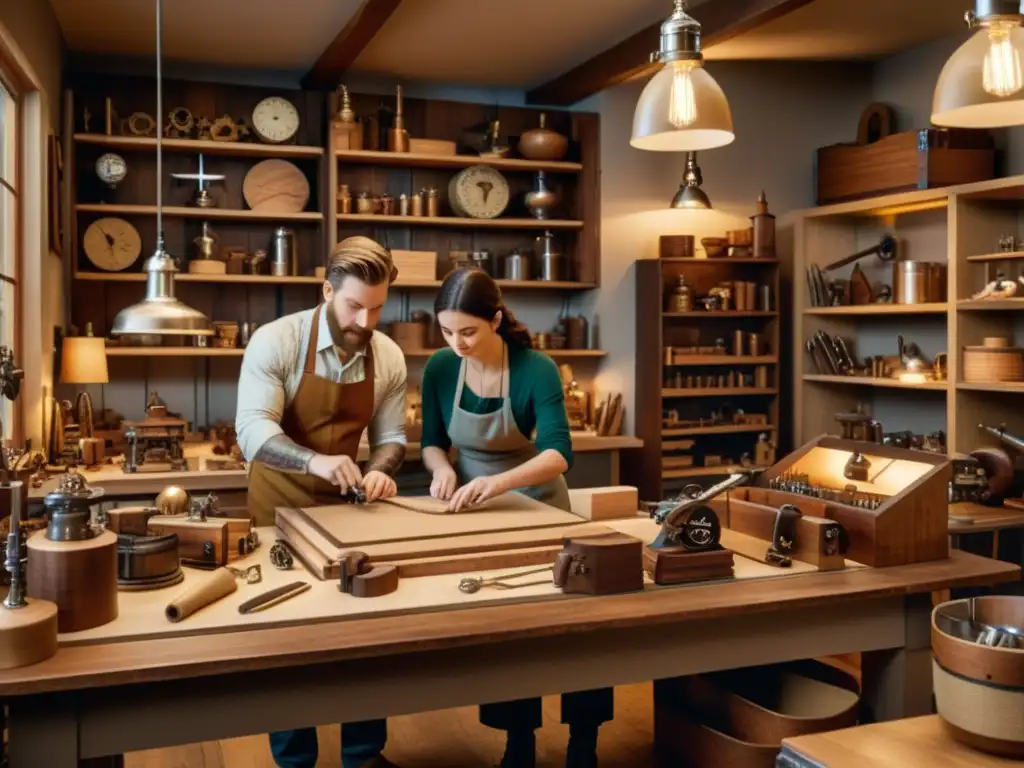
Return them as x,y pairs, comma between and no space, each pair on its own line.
33,27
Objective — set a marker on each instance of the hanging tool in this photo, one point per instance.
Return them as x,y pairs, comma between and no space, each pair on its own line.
885,250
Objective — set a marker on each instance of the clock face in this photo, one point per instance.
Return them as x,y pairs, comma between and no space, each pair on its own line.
112,244
111,168
479,192
275,120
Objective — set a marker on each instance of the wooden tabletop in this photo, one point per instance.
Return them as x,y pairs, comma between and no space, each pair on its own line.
254,649
976,518
917,742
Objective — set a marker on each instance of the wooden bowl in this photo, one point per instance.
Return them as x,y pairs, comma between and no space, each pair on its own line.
979,690
714,247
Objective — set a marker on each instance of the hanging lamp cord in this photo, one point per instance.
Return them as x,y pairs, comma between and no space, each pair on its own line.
159,128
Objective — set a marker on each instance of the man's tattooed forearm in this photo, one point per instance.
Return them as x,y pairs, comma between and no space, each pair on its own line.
386,458
283,454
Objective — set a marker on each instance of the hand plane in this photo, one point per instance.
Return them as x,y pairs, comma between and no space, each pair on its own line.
687,522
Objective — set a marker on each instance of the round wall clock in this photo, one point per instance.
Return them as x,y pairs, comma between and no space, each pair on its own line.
112,244
111,169
478,192
275,120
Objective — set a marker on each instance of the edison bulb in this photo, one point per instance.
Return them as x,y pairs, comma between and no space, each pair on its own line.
1001,69
682,103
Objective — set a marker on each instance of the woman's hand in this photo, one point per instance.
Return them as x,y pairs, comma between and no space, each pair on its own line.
444,483
378,485
476,492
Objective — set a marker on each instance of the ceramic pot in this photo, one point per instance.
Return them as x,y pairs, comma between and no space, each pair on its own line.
543,143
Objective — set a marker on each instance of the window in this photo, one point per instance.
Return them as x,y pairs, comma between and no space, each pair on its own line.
9,238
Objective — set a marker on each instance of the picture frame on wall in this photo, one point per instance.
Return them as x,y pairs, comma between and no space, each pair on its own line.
55,172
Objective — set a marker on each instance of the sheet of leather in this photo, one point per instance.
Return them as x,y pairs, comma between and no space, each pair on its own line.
359,525
141,614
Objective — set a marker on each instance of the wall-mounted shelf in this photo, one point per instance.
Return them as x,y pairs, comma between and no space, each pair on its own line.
716,392
935,308
204,146
184,212
865,381
1003,256
724,360
456,222
701,261
992,305
705,315
724,429
410,160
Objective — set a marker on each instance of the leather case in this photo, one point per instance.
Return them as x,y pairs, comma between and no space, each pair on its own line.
600,565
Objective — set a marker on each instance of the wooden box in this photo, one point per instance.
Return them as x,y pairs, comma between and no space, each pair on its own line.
415,266
600,565
909,525
904,162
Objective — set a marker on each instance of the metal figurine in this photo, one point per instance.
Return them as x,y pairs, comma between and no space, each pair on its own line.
202,198
14,561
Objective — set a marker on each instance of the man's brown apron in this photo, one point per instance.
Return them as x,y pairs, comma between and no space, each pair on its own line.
324,416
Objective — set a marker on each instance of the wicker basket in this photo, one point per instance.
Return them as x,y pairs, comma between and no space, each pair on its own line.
994,362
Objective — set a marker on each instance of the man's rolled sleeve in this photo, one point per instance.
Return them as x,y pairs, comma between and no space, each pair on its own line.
388,423
261,394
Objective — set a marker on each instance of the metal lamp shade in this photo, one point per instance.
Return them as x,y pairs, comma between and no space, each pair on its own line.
691,198
961,100
682,109
160,314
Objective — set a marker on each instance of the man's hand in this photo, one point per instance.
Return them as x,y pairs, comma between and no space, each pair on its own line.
339,470
378,486
444,483
476,492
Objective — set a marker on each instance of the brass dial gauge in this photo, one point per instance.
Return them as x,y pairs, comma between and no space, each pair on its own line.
478,192
111,244
275,120
111,168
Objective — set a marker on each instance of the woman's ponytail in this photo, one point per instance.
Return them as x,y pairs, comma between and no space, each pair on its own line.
513,331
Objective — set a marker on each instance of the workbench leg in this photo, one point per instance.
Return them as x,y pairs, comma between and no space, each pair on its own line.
41,733
897,682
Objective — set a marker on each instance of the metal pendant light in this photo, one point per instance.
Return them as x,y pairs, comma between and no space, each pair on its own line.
160,313
690,196
982,84
682,108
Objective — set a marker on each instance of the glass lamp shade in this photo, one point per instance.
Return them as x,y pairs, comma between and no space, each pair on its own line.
83,360
982,84
682,109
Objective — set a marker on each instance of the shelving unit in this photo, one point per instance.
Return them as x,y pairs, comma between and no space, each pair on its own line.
958,226
659,468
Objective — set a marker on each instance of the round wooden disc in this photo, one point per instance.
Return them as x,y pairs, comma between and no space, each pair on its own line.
207,267
28,635
276,186
111,244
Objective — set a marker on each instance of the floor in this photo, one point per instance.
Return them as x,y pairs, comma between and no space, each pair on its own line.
447,739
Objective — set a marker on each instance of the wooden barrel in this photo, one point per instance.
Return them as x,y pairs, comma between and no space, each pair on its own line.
979,690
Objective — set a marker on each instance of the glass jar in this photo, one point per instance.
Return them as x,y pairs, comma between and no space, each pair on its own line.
681,298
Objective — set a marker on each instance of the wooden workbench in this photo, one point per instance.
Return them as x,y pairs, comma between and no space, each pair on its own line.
141,683
918,742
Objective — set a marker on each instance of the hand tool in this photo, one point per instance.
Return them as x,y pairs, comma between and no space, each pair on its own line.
273,597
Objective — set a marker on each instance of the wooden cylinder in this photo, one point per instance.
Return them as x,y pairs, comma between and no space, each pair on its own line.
220,583
675,246
79,576
994,362
28,634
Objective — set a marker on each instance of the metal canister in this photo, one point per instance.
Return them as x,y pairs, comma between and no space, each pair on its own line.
284,257
551,261
737,343
516,266
918,282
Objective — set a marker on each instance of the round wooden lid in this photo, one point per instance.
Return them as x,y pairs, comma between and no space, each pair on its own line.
276,186
995,341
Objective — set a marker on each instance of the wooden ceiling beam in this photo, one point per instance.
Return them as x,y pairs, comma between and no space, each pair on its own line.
342,52
720,20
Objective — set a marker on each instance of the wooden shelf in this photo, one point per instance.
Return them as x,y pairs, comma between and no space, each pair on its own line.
1003,256
724,360
205,146
130,351
458,222
937,308
707,315
993,305
716,392
188,277
867,381
716,260
180,211
724,429
410,160
1007,386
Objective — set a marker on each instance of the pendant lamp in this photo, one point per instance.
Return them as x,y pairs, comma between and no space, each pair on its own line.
982,84
690,196
682,108
160,313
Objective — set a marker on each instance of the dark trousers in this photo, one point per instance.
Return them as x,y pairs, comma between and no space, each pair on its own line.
360,743
582,709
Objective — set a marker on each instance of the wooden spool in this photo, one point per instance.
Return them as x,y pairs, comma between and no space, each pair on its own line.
979,690
207,267
994,362
28,634
79,576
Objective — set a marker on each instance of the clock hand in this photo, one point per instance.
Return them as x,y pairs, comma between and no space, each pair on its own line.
485,187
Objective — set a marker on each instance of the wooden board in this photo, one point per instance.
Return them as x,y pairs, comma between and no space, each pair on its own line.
141,614
359,525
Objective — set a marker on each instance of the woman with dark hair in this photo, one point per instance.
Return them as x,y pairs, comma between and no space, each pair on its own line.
485,396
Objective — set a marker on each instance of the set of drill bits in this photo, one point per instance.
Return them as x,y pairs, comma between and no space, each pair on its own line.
800,483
